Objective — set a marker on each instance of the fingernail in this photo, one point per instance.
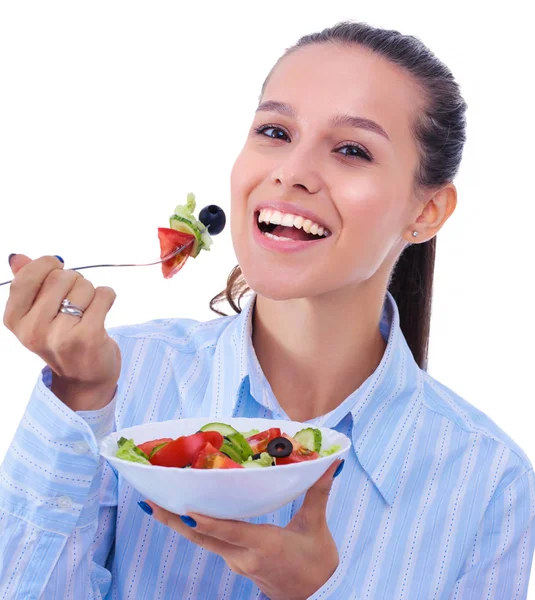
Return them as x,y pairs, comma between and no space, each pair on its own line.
59,258
189,521
339,469
144,506
9,258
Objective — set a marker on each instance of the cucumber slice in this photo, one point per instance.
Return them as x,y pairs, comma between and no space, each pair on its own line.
222,428
310,438
156,448
185,226
184,220
231,451
234,437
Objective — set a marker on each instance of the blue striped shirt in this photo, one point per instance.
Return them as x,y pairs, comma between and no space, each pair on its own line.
435,501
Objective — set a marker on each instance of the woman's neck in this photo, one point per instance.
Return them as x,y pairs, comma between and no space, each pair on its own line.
316,351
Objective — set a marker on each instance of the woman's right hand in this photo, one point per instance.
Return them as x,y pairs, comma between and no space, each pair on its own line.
85,361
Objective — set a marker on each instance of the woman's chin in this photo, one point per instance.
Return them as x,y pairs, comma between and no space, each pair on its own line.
280,288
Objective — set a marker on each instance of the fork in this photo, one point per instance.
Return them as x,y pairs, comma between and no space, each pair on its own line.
169,256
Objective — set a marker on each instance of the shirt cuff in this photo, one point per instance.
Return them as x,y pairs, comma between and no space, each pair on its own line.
319,594
328,586
49,476
101,422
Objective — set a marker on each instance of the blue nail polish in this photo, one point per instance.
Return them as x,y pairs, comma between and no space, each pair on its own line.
144,506
59,258
339,469
189,521
10,257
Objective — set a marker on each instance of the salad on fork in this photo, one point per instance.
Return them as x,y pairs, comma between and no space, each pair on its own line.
185,237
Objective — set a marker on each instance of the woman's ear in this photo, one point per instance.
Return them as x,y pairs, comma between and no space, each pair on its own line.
437,209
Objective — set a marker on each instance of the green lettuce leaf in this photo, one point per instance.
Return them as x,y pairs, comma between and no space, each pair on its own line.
185,211
129,451
247,434
265,460
331,450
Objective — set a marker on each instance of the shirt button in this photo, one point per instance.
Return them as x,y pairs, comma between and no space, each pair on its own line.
81,447
64,502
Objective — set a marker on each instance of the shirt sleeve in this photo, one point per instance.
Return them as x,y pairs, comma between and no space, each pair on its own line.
58,502
331,588
499,563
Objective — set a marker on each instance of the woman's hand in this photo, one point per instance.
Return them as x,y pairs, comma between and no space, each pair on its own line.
85,361
289,563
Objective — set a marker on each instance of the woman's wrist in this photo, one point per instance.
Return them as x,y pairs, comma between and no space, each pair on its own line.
80,396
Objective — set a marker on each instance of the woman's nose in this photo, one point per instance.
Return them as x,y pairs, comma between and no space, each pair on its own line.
298,169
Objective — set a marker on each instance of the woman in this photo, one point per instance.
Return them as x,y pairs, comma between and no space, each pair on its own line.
361,131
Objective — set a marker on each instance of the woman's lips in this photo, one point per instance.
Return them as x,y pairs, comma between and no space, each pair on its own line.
284,245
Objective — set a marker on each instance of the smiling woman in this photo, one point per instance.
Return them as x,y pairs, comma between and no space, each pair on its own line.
359,67
344,181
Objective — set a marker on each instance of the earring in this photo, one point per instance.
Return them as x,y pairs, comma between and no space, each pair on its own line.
415,234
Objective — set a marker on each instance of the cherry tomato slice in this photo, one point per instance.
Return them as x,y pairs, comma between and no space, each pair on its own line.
170,240
182,451
259,442
210,458
299,453
148,447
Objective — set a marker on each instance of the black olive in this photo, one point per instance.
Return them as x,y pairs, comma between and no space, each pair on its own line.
257,456
280,447
213,218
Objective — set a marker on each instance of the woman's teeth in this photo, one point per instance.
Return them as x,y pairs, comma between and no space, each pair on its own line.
276,237
276,217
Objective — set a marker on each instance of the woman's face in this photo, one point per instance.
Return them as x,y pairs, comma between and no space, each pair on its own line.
356,181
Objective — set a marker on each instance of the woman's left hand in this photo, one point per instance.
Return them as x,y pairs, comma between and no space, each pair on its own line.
289,563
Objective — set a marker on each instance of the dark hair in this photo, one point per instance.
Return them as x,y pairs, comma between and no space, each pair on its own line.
440,133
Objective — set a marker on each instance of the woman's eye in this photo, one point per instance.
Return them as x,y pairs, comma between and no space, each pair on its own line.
355,152
279,134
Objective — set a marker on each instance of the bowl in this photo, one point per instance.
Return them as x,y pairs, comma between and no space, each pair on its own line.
220,493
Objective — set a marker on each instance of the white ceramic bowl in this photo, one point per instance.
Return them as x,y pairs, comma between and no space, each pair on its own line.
220,493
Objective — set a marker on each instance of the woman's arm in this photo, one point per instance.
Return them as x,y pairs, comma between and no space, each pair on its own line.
499,563
58,502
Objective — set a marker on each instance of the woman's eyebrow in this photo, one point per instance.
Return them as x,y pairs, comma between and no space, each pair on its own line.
336,121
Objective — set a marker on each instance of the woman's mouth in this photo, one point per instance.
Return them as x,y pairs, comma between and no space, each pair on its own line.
281,237
281,226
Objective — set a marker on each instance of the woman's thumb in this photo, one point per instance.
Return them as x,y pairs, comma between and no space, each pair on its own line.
315,502
17,261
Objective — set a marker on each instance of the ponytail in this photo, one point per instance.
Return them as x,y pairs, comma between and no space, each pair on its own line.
411,285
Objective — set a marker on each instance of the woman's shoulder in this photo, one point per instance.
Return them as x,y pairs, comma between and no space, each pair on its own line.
441,399
183,334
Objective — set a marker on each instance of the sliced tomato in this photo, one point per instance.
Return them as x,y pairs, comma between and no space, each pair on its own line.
182,451
260,441
210,458
148,447
170,240
299,453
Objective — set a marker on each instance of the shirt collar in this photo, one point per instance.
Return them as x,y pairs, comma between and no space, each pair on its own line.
384,409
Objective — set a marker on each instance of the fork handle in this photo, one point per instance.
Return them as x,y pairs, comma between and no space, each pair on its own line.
89,267
169,256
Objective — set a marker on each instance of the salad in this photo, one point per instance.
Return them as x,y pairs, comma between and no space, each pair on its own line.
220,446
186,229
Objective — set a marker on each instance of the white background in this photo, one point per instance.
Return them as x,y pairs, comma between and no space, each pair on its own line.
110,112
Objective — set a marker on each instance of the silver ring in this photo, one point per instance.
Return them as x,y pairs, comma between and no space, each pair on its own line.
68,308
